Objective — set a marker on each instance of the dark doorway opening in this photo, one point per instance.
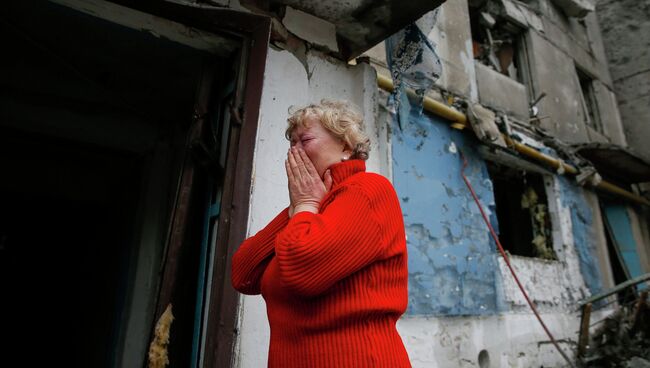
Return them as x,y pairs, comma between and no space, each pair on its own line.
94,137
66,228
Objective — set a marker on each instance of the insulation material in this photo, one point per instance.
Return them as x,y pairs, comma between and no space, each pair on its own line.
158,357
540,224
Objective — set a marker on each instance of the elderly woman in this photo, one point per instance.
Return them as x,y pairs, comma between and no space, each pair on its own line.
332,266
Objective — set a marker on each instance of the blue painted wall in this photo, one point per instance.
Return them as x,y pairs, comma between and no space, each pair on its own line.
572,196
452,259
621,227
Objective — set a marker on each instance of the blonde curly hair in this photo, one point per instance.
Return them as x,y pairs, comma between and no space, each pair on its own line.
341,118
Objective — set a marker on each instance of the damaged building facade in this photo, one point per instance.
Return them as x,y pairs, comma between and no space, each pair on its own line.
152,134
533,74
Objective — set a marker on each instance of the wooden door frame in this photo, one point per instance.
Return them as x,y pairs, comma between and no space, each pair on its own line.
254,32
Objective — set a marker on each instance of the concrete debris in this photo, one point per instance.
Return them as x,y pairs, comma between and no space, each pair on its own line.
623,340
483,122
637,362
588,176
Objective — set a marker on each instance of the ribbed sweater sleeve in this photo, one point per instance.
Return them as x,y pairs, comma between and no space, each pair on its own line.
314,251
254,254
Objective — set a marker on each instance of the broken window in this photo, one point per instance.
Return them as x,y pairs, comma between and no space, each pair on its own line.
522,211
589,102
497,42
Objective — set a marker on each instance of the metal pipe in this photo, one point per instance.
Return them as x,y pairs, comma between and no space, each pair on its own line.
603,185
622,286
542,157
459,121
616,190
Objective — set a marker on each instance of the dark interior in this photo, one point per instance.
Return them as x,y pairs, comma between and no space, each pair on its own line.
83,104
66,224
515,227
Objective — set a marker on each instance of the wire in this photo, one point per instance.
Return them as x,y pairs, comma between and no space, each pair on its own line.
505,258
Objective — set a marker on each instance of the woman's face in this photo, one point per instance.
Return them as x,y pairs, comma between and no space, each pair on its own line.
322,147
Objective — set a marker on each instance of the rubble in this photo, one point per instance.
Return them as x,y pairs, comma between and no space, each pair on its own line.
623,339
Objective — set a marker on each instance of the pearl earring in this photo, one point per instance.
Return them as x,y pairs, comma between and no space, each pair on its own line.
345,158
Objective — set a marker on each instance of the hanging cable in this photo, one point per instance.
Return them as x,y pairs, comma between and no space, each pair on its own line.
507,260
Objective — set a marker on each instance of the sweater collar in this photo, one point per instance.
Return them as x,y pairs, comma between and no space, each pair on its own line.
343,170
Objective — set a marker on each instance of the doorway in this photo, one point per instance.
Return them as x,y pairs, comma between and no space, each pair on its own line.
95,135
66,230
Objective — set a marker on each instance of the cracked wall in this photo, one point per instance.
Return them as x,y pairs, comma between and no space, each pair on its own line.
452,266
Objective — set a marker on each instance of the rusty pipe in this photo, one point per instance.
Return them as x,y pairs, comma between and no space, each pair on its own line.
459,121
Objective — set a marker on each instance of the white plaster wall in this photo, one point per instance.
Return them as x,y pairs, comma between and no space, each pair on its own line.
288,83
511,340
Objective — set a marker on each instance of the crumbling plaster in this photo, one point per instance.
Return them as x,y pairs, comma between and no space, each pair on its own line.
582,266
575,209
557,44
449,31
510,340
452,259
555,50
452,317
452,263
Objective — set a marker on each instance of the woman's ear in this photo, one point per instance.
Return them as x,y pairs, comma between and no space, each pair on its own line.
347,153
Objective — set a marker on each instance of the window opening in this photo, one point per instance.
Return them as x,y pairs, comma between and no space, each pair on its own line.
589,101
497,43
522,212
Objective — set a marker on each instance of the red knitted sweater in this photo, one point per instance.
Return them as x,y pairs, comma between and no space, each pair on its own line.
335,282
